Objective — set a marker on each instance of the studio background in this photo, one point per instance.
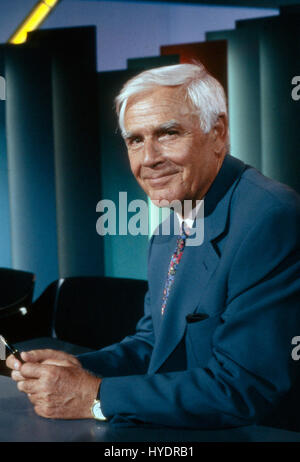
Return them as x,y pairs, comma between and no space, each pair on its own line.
60,152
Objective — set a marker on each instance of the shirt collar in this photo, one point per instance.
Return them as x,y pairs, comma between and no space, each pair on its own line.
190,218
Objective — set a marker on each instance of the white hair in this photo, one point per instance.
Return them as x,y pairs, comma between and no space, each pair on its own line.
204,92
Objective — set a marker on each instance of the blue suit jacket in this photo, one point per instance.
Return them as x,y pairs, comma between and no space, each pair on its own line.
232,366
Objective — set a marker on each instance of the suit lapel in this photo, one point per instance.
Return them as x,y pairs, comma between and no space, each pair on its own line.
191,279
196,267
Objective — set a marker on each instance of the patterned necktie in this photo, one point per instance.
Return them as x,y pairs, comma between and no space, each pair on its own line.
175,259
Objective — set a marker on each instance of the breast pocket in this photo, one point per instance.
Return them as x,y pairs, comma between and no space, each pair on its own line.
199,333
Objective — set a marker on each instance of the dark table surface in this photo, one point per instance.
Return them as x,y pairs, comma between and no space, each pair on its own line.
18,421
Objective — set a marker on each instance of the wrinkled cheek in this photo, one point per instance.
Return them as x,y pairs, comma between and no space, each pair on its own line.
134,170
142,184
134,166
187,181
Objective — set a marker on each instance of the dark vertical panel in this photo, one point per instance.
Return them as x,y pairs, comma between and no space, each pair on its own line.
125,256
30,160
76,142
280,57
263,57
243,93
5,244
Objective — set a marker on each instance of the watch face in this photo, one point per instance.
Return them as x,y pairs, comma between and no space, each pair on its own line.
96,409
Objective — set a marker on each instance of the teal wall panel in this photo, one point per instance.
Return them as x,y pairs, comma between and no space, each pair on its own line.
53,155
31,163
280,114
243,94
124,255
263,58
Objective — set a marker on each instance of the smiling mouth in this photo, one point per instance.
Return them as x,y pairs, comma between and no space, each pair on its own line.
160,180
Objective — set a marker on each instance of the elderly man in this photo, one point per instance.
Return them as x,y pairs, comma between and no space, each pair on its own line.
213,348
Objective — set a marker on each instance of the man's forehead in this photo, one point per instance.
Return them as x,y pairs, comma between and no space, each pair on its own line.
164,108
158,96
173,123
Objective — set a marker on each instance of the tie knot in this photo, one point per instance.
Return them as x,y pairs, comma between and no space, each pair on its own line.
185,230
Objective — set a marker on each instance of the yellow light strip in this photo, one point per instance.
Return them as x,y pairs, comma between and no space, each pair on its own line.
35,18
51,3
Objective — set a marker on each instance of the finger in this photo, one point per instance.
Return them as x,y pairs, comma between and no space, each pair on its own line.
29,386
39,355
36,398
43,411
13,363
17,376
59,362
32,397
32,370
45,354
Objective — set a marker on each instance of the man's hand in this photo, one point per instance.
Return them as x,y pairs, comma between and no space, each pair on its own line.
45,356
55,383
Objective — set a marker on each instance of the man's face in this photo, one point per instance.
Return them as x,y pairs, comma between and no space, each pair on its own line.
170,156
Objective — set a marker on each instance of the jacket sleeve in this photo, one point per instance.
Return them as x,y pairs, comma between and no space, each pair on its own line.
251,369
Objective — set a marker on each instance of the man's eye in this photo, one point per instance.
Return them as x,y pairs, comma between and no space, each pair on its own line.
170,133
135,141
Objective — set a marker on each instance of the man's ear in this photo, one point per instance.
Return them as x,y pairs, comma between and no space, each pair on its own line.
220,134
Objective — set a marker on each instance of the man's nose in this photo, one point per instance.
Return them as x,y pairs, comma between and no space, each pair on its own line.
151,153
